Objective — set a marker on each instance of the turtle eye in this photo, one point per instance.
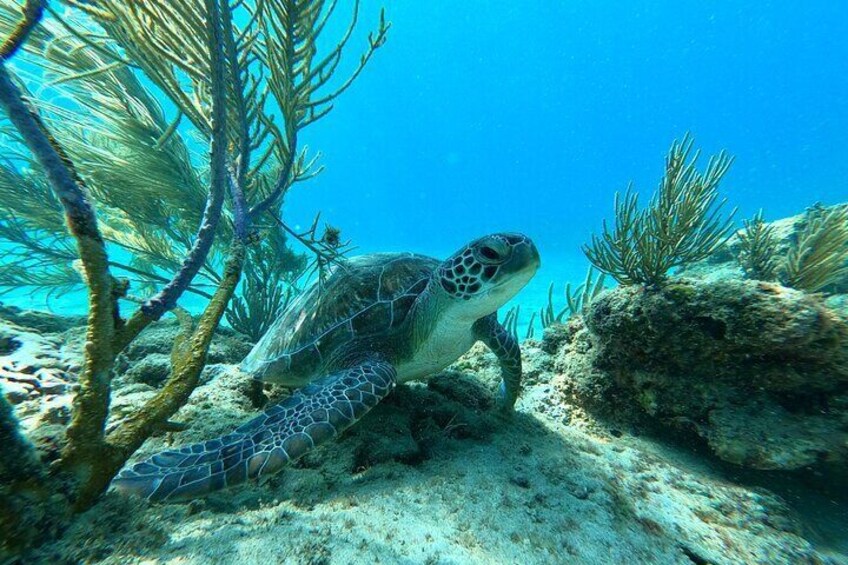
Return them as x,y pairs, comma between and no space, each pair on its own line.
492,251
489,253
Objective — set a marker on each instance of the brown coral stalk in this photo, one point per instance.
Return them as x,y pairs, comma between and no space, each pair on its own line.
185,374
186,367
85,434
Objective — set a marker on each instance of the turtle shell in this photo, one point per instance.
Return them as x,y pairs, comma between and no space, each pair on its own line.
364,301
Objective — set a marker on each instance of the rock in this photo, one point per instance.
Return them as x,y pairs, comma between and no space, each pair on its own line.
38,321
151,370
761,434
782,339
753,368
56,412
52,381
390,443
554,336
16,392
8,342
463,389
227,346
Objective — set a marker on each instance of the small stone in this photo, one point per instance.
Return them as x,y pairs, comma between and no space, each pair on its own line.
57,414
54,388
151,370
580,492
51,385
520,481
8,344
16,392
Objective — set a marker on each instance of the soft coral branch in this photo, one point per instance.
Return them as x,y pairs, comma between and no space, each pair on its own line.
33,11
85,434
167,298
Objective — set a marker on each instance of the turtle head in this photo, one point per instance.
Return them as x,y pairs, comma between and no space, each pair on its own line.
485,274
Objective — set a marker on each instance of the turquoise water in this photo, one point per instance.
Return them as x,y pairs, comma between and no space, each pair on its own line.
483,116
479,117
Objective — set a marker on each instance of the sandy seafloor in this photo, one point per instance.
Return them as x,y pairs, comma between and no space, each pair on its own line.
433,476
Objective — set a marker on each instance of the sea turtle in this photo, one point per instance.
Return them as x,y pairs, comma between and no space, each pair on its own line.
375,321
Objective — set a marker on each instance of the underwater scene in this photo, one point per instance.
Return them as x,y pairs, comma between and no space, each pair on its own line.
478,282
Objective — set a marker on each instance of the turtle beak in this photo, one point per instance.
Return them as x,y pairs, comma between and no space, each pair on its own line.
531,256
524,258
517,271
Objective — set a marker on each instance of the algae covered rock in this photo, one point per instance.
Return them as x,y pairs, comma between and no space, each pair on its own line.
782,339
757,370
40,321
227,346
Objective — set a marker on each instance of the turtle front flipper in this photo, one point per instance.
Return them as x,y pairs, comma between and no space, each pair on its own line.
284,432
505,347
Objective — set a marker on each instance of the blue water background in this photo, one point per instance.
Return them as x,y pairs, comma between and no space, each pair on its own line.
481,116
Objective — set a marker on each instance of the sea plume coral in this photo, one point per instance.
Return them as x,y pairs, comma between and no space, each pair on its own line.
137,201
819,256
758,249
682,223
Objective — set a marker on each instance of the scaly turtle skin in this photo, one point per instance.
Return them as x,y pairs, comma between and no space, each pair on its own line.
378,320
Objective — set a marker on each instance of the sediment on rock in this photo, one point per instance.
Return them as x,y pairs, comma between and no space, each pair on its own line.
757,370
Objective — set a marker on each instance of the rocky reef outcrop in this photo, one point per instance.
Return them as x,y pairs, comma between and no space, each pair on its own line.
759,371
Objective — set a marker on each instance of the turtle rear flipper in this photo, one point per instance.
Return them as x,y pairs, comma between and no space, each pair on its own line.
262,446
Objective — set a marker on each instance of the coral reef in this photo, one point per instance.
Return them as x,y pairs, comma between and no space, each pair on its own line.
757,370
729,261
816,259
546,486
